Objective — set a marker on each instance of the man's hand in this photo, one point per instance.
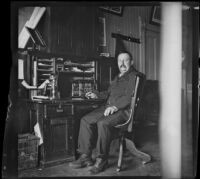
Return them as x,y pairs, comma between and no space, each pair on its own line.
110,110
91,95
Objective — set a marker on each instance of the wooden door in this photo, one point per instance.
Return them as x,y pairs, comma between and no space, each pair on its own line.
152,52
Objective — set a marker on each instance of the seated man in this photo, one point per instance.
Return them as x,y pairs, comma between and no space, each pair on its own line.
97,127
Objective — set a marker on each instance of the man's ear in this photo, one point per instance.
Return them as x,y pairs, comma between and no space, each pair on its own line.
132,62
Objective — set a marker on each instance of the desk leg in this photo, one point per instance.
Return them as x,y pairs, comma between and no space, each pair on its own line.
41,156
76,126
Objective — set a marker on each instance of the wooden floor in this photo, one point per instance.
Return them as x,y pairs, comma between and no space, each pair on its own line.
147,141
132,166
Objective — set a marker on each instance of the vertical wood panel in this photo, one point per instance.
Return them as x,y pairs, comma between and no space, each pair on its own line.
127,24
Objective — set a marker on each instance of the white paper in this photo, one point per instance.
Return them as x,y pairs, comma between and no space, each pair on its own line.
38,132
44,84
23,37
27,86
34,73
20,69
40,97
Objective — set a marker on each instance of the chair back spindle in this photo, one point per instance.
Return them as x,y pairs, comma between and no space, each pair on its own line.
129,122
133,104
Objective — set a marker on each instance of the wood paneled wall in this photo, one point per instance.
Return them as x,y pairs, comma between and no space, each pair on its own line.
127,24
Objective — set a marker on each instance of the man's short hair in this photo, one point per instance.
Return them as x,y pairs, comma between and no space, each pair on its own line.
124,51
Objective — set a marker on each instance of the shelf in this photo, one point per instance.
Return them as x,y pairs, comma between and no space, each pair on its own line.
82,78
44,65
74,72
45,70
79,65
45,74
45,60
42,80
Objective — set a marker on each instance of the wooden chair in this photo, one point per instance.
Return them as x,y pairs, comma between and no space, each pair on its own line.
126,129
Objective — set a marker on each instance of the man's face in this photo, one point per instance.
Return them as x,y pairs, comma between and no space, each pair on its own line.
124,62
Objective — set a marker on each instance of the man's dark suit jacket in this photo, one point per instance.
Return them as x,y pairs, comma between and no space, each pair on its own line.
120,90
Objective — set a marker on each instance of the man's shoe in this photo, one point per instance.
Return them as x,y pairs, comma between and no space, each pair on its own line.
83,161
99,166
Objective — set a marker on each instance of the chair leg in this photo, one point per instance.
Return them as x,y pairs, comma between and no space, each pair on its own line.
119,164
132,148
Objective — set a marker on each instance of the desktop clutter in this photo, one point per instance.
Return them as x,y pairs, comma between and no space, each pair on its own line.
47,90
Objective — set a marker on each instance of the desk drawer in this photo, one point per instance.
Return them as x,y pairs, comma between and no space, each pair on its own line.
84,109
56,110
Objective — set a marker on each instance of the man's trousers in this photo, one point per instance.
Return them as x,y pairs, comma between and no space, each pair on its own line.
98,130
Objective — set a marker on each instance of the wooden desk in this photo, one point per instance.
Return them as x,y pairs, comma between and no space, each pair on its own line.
59,122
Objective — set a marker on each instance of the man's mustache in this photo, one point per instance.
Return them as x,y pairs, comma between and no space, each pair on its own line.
122,66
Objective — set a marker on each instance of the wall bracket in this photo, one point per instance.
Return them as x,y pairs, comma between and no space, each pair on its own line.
124,37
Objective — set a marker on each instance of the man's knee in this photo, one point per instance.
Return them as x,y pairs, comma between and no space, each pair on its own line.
102,124
92,117
86,119
82,121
